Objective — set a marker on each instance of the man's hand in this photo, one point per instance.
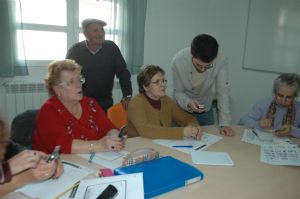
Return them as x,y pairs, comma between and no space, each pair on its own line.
226,130
195,106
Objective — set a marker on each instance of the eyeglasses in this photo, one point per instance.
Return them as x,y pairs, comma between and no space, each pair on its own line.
284,97
73,82
160,82
201,67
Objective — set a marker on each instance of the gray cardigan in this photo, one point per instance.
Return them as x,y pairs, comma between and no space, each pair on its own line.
182,68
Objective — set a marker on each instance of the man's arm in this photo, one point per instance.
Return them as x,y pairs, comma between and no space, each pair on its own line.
222,91
123,74
178,89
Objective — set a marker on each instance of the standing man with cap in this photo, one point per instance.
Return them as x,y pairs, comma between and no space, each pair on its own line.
196,70
101,60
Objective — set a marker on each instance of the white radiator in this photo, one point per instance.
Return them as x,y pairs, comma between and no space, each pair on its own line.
21,96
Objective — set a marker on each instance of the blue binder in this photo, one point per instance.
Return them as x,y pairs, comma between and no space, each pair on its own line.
163,175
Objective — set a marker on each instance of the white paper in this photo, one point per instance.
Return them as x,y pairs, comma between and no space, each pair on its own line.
129,186
280,154
52,188
110,160
262,137
212,158
206,139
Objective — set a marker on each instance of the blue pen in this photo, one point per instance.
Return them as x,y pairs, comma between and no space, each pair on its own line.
183,146
92,154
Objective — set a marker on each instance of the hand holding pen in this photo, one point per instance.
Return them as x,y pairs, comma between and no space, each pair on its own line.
192,131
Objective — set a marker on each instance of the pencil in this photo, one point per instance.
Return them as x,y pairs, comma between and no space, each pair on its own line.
67,190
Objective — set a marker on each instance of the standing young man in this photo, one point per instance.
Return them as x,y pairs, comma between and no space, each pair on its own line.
196,70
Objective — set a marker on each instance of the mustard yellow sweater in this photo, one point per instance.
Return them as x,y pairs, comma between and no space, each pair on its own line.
145,121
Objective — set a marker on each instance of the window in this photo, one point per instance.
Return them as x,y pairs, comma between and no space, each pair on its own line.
50,27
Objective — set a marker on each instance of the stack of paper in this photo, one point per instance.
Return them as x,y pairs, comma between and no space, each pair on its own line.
190,145
52,188
280,154
110,160
258,137
212,158
128,186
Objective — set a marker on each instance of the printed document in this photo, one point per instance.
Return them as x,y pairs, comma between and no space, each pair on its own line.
128,186
258,137
280,154
110,160
190,145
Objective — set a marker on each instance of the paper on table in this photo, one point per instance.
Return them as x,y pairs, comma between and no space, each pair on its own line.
280,154
128,186
206,139
262,137
110,160
212,158
52,188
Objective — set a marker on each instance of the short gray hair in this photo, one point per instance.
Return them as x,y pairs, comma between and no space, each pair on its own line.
291,80
85,23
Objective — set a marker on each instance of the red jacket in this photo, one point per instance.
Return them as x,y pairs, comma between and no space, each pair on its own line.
55,125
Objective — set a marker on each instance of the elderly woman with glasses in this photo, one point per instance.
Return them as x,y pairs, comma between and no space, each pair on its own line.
69,119
151,113
279,113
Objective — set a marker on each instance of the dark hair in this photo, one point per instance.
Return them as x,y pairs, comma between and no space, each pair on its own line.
204,47
291,80
145,75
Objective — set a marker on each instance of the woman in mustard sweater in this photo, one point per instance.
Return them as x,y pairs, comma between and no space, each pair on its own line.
151,113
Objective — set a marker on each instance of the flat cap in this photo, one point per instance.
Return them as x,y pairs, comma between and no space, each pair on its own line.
85,23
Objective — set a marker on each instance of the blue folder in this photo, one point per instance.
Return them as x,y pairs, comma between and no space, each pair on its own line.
163,174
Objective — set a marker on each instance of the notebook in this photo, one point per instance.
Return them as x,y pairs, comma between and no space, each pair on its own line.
163,175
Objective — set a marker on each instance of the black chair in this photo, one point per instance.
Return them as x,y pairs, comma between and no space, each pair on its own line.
22,128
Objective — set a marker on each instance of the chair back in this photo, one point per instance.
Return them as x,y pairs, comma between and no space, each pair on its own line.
117,115
22,127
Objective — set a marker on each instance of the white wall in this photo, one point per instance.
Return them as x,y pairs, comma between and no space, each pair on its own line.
172,24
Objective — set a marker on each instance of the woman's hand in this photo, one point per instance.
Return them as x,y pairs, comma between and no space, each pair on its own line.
112,143
265,123
284,131
25,160
43,171
59,169
193,131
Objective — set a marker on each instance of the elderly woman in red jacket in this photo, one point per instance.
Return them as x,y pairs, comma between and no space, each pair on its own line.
69,119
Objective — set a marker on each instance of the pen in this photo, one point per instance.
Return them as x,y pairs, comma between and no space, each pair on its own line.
74,190
200,147
183,146
71,164
253,131
92,154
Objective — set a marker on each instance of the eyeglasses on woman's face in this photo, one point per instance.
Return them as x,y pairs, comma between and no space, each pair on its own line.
160,82
72,82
